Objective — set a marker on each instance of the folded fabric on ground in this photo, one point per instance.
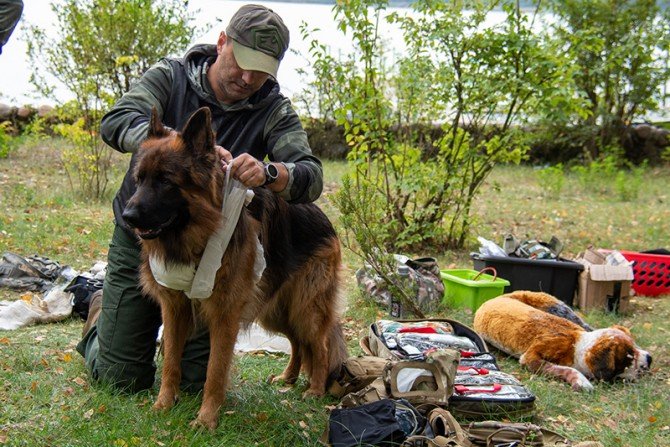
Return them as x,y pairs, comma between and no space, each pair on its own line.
37,274
32,309
258,339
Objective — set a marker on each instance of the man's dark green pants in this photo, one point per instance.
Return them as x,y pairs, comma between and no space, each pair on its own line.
120,349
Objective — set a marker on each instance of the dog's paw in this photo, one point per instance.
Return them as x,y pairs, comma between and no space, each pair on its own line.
311,394
202,422
165,402
205,419
582,384
280,379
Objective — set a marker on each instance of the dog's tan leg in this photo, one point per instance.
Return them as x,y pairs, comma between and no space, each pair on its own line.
534,362
222,336
177,320
292,370
318,366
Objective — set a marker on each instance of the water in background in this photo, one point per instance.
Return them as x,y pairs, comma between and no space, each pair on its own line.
15,87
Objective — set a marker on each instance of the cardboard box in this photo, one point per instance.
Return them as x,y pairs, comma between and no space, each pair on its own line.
602,286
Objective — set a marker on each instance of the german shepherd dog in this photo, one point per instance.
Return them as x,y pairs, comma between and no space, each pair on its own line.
175,209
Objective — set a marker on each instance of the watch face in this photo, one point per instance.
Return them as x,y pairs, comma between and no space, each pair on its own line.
271,173
272,170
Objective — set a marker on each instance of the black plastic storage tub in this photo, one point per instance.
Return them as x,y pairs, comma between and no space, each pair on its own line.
555,277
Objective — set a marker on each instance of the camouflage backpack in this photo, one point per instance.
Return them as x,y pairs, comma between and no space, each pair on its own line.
423,274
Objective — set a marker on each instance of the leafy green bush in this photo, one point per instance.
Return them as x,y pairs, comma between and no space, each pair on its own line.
617,69
551,180
5,140
450,74
628,183
599,175
86,160
103,46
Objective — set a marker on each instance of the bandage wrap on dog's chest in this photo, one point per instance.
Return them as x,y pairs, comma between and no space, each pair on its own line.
198,283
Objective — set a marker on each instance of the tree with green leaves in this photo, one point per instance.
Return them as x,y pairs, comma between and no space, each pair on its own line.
101,47
619,49
475,81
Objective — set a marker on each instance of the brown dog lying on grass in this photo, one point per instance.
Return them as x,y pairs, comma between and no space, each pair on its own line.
175,210
548,337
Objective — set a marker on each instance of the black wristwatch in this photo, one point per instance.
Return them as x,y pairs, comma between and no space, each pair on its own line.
271,173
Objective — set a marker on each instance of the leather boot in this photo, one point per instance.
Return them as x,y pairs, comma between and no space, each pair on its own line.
94,308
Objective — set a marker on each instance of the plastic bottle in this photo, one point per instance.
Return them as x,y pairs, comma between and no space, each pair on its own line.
404,282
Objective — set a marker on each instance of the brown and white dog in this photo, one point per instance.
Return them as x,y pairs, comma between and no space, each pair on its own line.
548,337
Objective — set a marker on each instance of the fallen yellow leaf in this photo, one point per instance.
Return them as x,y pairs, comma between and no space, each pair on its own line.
262,416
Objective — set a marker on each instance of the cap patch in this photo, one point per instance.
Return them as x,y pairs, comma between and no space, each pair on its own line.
268,40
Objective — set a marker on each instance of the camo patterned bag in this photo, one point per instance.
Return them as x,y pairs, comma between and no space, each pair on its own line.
423,274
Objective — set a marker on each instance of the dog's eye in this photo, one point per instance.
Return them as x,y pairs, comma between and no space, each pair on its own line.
164,180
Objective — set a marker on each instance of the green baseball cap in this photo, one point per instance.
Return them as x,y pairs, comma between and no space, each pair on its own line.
260,38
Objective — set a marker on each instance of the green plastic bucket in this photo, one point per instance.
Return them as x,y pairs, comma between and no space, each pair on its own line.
470,288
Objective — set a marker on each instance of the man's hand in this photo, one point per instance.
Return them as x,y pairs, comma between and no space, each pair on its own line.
248,170
225,156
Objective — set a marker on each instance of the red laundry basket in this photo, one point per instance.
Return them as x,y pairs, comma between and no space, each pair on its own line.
651,273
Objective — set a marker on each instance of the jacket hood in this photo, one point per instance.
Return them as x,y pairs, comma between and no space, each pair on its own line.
196,62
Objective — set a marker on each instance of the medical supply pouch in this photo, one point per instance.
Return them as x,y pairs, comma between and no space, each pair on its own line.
481,390
493,433
480,393
409,339
427,381
356,373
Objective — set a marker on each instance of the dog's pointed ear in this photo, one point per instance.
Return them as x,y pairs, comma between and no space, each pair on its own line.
156,128
198,131
623,329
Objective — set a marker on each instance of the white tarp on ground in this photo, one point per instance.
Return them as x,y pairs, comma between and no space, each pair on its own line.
258,339
32,309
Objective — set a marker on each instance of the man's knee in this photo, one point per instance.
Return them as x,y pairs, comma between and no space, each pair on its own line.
131,377
125,376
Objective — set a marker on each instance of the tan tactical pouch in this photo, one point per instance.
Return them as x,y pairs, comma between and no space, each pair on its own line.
356,373
429,381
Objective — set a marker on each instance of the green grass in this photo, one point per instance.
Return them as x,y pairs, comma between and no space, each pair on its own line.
46,397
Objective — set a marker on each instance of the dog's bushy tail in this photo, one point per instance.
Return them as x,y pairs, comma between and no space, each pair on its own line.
337,352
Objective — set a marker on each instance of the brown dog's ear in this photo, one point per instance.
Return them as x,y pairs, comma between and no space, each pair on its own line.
156,128
623,329
610,357
198,133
